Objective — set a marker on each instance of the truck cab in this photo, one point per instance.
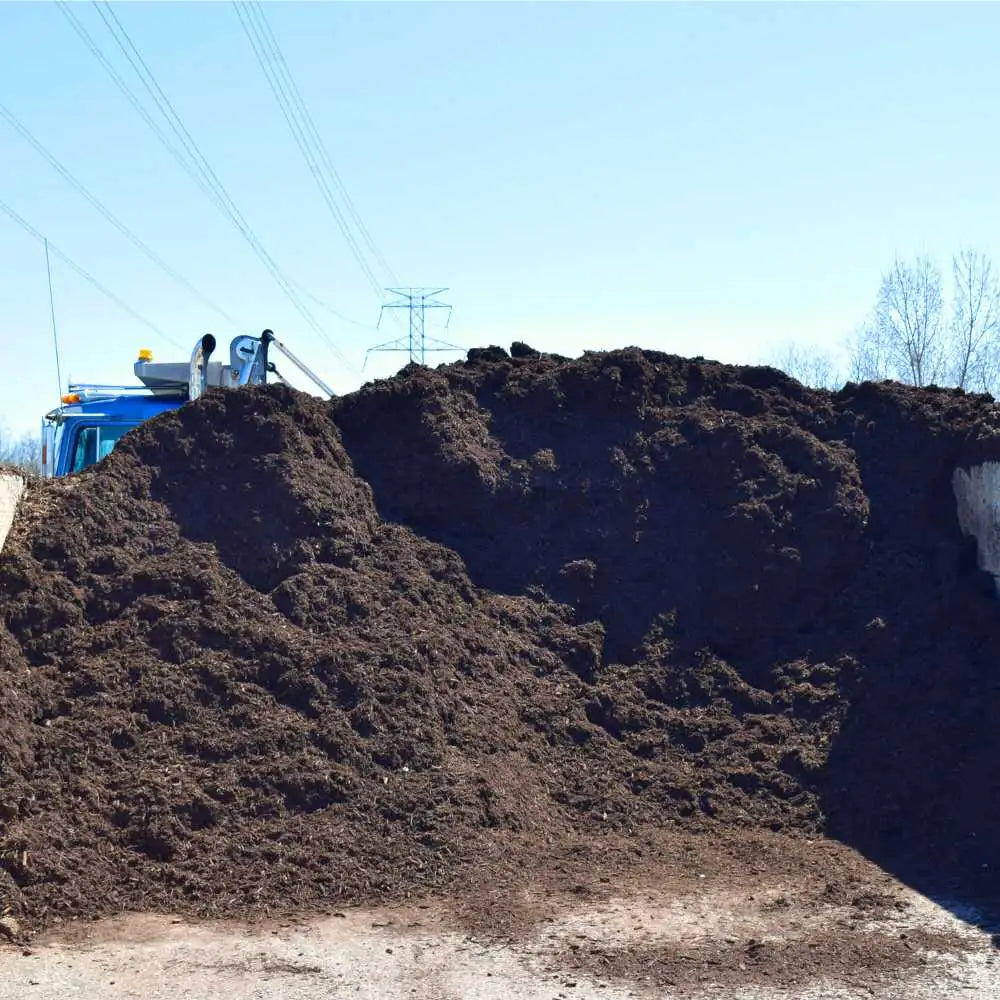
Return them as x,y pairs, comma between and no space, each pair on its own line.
88,425
92,419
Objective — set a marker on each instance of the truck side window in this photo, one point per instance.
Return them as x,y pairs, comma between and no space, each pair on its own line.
85,452
95,443
110,436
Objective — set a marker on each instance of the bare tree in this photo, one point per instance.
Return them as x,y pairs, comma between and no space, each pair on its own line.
975,322
908,317
869,356
808,365
22,452
903,339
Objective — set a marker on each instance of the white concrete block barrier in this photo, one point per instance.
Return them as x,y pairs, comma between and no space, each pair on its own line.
11,489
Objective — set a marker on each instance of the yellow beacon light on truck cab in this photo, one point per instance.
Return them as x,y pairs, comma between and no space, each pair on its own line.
73,397
145,354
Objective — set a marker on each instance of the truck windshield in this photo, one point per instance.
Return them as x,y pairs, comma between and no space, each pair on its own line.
94,443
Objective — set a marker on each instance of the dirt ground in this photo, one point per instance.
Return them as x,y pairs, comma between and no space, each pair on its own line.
761,928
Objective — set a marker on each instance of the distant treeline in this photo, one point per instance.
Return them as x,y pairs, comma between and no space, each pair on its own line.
916,333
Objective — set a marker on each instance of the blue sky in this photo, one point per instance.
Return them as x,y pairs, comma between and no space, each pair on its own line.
714,179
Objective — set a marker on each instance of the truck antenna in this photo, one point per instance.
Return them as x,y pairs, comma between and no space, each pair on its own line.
52,310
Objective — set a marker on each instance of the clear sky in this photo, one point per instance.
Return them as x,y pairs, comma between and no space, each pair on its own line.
712,179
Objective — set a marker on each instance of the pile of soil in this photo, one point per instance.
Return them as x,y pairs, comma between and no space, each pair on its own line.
275,652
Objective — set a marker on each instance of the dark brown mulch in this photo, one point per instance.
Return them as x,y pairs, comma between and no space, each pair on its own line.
276,653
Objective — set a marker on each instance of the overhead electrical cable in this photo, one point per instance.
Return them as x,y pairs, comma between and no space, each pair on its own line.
23,131
196,157
284,74
86,275
316,300
130,96
262,49
186,152
318,143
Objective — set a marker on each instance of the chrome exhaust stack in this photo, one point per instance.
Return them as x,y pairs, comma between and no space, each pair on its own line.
198,378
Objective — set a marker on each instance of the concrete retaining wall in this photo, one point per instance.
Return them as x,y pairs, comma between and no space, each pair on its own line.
977,494
11,488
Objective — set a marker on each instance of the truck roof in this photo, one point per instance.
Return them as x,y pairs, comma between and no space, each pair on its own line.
127,407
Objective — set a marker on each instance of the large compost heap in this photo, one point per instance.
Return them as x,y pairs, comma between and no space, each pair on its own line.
275,651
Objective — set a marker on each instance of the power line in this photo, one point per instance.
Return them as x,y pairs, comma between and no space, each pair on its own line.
195,157
281,87
296,113
300,122
166,109
320,145
23,131
266,60
188,156
343,317
201,164
70,263
187,162
133,100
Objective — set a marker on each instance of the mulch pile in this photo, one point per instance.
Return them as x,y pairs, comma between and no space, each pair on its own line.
275,652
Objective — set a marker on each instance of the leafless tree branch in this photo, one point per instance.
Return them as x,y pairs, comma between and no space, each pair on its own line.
22,452
908,317
975,322
808,365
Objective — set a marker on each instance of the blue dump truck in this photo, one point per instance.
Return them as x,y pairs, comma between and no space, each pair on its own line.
93,418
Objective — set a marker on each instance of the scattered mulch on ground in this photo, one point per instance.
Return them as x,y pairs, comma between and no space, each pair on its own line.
519,885
276,653
847,958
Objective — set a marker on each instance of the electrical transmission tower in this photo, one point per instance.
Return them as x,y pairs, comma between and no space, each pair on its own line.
417,301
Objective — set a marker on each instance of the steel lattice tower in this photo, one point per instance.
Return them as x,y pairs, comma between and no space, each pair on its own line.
417,344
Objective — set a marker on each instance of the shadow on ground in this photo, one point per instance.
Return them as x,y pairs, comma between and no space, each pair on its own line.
912,780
